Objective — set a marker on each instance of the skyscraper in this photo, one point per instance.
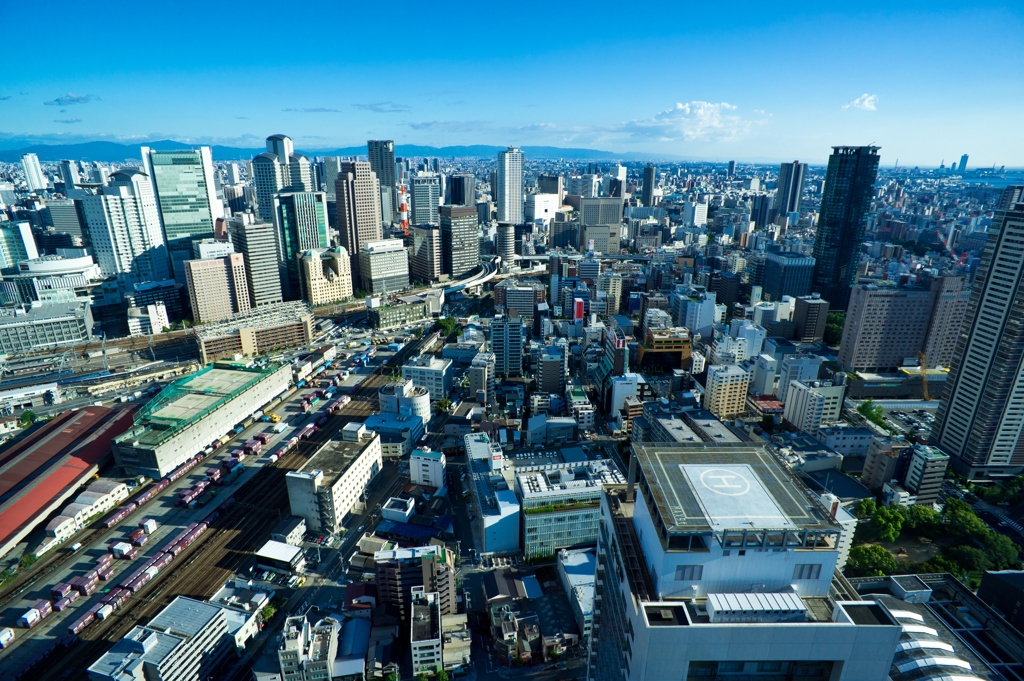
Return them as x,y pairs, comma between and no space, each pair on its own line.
33,172
258,245
963,164
509,190
791,186
185,197
277,169
426,253
843,220
382,162
124,229
505,243
460,245
981,416
69,174
302,225
358,195
732,168
217,287
462,189
507,344
647,191
426,198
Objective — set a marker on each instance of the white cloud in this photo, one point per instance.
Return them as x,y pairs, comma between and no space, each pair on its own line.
695,121
865,102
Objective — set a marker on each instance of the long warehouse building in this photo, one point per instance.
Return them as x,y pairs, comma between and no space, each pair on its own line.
188,415
41,471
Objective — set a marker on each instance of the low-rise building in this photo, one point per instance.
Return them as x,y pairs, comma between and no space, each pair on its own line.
257,332
242,602
290,531
402,397
331,483
398,432
279,557
580,408
425,640
46,326
561,504
389,316
493,502
426,467
576,570
430,373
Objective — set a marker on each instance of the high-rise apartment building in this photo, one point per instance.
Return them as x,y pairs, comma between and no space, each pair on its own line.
301,219
383,266
811,406
799,367
124,230
427,262
66,217
791,187
426,198
460,251
726,391
358,195
34,177
647,189
810,314
509,191
258,245
507,344
462,189
787,274
981,416
925,474
217,288
381,154
611,283
552,369
185,196
326,275
398,571
481,377
842,221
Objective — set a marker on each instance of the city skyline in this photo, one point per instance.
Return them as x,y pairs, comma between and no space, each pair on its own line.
673,103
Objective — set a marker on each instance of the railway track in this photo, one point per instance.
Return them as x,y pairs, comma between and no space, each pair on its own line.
218,553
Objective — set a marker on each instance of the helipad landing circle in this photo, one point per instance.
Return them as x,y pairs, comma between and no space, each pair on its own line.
725,482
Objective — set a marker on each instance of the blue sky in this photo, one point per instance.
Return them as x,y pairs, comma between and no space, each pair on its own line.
766,81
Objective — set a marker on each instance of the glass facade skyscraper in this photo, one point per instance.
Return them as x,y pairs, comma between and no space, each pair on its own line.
842,221
302,220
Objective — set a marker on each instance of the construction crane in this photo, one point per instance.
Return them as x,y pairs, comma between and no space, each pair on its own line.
922,360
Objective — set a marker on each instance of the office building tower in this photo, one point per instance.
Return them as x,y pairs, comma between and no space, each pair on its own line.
358,200
505,243
884,327
842,221
552,369
732,168
520,295
551,184
123,223
326,275
66,217
726,287
791,187
204,249
963,164
695,214
509,191
426,198
507,344
885,460
16,244
460,245
383,266
949,308
34,177
647,189
258,245
69,174
565,235
981,415
426,253
278,169
797,367
787,274
234,174
602,238
217,288
381,154
600,211
726,391
810,314
462,189
330,167
430,373
301,219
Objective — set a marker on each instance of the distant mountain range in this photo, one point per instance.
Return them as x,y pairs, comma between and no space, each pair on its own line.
115,152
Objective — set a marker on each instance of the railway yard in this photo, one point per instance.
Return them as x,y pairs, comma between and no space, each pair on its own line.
239,520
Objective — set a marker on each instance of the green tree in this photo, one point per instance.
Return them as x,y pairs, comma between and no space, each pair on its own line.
446,325
442,676
871,560
887,523
872,412
967,557
865,508
961,521
834,327
28,560
921,520
1002,551
443,405
268,612
28,417
939,564
393,676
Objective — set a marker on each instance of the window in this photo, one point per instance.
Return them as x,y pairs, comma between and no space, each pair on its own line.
689,573
807,571
769,667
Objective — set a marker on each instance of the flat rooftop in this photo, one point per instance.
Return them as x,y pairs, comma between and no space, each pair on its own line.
426,624
200,392
710,487
335,458
266,317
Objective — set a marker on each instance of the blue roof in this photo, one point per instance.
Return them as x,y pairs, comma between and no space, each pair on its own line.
427,454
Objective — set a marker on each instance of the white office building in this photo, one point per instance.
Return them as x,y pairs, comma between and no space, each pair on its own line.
496,506
813,405
426,467
803,368
716,563
383,266
430,373
509,192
